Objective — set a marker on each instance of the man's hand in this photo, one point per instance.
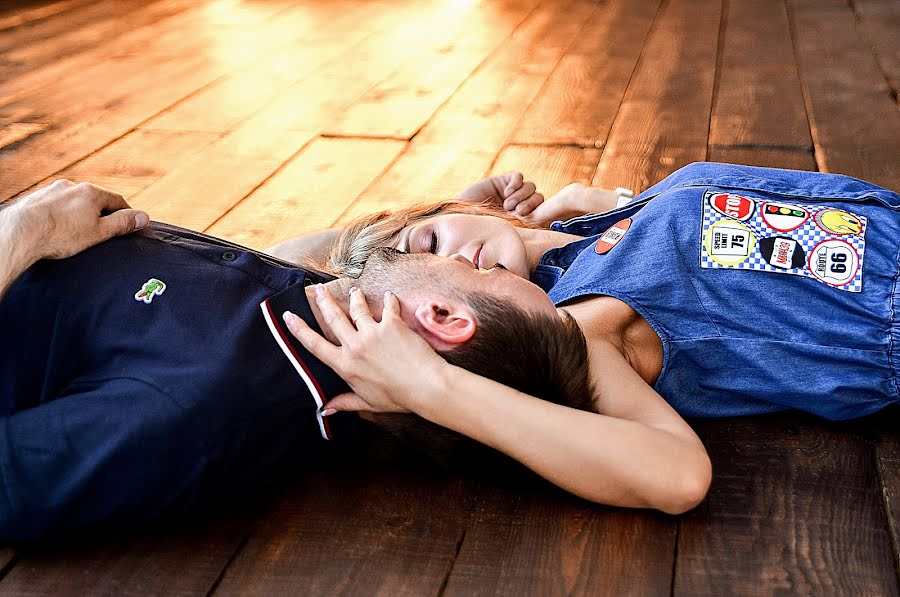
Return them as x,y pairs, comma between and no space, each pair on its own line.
509,191
58,221
65,218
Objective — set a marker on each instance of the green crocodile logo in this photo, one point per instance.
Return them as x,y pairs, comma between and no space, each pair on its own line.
151,288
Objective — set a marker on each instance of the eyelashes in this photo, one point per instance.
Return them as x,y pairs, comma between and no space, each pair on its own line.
434,243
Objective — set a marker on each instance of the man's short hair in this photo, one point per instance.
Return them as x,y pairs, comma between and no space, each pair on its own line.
541,355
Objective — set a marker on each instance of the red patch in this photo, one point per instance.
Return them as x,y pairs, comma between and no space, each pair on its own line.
733,206
612,236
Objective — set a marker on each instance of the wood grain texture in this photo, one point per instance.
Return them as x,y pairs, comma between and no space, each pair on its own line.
183,557
794,508
582,96
663,122
330,172
767,157
854,118
879,21
460,142
531,539
402,103
374,522
887,454
758,100
549,167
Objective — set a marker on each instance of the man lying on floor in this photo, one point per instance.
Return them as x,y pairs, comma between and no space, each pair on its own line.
153,371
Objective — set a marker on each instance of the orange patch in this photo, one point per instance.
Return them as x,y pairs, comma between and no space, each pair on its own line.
612,236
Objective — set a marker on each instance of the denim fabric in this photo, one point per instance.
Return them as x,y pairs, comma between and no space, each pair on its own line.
758,310
114,409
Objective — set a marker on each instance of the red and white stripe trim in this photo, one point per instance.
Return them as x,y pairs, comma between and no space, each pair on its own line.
301,368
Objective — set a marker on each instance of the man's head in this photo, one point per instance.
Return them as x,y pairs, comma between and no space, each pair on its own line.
490,322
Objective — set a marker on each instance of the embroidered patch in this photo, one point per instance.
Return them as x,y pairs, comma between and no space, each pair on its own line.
612,236
729,242
151,288
782,252
790,238
834,261
783,217
733,206
838,221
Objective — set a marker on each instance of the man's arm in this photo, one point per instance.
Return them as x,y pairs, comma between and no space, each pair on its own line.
58,221
312,247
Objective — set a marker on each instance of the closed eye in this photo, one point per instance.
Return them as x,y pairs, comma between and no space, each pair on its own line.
434,242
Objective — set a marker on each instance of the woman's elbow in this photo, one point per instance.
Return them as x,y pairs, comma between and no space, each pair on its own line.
690,487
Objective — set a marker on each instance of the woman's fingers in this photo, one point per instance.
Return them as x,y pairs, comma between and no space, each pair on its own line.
526,192
529,205
359,308
347,402
333,316
391,306
323,350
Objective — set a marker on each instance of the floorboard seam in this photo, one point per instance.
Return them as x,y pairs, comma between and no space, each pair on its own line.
459,544
858,19
654,26
675,557
555,144
886,507
215,584
817,152
717,73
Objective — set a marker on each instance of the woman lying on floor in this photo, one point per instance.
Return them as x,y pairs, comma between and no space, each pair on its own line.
723,290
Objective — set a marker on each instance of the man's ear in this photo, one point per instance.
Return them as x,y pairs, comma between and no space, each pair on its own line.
446,324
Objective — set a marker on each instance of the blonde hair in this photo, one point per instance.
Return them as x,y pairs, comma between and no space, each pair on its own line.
365,234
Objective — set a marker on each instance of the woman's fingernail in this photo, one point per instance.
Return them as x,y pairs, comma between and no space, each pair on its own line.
328,412
320,290
140,220
387,295
289,318
353,289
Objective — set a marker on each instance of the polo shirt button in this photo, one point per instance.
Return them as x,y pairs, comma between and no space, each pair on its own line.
229,255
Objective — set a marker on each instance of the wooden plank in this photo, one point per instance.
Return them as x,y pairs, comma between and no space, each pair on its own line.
137,160
234,166
25,49
663,122
581,97
183,557
879,22
22,17
887,454
82,128
401,104
767,157
460,142
854,118
374,522
758,98
332,38
549,167
533,539
794,508
308,192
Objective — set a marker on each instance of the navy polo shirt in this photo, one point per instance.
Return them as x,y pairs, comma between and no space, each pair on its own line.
150,373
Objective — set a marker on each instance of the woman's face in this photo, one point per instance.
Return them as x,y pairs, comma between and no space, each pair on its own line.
486,241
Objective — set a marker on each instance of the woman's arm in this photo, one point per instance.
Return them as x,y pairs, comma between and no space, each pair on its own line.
653,462
313,246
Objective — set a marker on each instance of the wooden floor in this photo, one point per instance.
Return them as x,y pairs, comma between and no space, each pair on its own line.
257,120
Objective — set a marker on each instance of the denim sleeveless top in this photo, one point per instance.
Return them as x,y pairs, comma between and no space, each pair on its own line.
769,289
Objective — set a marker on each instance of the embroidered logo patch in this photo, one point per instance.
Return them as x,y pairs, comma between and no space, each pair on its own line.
612,236
813,241
151,288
